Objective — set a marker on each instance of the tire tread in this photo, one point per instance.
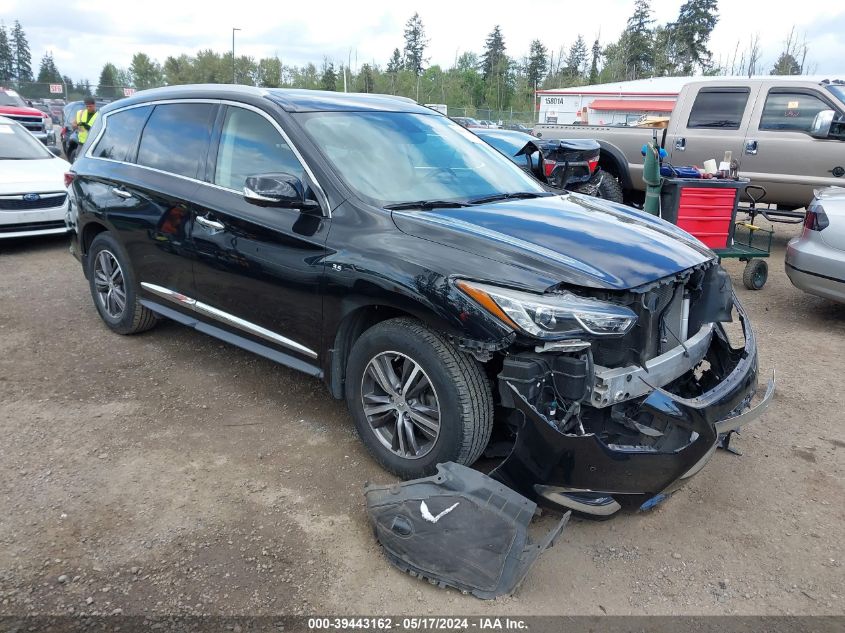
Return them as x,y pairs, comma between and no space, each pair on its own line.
143,318
475,398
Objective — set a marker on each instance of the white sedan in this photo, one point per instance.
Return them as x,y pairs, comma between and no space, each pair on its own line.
815,261
33,197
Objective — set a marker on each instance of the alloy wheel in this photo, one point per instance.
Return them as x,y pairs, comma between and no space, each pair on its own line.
400,404
109,284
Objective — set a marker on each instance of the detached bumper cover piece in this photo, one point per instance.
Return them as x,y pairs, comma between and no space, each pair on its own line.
458,528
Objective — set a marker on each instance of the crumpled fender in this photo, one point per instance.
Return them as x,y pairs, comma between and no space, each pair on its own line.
458,528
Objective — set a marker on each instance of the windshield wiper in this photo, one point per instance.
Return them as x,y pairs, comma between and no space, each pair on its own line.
517,195
426,204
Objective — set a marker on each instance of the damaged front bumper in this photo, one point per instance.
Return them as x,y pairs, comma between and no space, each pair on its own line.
584,473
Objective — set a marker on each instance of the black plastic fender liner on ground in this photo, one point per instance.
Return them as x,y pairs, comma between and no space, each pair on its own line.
458,528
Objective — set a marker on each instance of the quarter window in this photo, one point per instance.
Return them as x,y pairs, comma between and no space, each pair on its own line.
718,108
793,111
250,145
121,135
176,137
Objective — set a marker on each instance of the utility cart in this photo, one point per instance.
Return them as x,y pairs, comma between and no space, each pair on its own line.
707,209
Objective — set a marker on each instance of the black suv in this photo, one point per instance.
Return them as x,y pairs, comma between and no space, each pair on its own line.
376,244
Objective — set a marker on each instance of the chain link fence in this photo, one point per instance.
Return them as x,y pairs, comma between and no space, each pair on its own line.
499,117
53,95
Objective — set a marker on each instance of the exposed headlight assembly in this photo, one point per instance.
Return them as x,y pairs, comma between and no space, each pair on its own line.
550,316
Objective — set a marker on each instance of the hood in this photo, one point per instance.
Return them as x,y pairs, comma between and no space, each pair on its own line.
32,176
22,111
571,238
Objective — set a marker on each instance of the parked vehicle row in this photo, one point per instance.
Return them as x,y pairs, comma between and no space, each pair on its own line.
764,123
33,198
39,123
425,278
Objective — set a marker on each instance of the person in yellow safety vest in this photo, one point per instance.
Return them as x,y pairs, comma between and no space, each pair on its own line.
85,119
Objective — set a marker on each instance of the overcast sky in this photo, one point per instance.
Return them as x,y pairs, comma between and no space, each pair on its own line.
84,34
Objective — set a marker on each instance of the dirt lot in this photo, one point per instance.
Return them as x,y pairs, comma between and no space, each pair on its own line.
170,473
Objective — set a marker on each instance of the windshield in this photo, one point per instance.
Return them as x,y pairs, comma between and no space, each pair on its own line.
18,144
11,98
839,91
392,158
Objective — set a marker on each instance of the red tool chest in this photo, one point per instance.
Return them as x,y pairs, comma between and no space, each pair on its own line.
703,208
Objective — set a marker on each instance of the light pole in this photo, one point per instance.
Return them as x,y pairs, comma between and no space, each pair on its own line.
233,53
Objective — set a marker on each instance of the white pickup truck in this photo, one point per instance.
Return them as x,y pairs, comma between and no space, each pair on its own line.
786,133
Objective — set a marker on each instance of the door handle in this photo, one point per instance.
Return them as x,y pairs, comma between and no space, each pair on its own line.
209,223
751,147
121,193
680,144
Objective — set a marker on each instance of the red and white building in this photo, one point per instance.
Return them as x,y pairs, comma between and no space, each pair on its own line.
610,104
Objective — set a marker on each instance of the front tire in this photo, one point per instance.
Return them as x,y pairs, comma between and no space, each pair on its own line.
113,287
417,400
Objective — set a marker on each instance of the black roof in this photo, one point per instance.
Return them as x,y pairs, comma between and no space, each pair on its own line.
291,100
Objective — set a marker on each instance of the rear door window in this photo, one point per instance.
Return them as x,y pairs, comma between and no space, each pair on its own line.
718,108
792,111
176,138
251,145
121,135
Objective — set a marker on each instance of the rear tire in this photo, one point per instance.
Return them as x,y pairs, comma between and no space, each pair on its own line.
610,189
114,289
450,388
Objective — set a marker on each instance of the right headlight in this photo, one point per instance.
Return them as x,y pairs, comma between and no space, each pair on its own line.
550,316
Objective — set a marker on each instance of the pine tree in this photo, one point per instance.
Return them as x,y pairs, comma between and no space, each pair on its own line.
415,44
788,62
68,82
47,74
577,58
538,63
494,53
107,87
594,65
394,65
665,55
366,81
636,41
21,56
328,78
691,33
786,65
7,63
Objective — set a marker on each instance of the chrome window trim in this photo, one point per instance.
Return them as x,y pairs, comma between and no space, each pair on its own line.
229,319
324,201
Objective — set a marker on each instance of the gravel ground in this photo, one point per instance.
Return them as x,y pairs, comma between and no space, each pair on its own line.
170,473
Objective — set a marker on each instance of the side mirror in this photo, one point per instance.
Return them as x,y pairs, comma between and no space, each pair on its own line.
55,150
278,190
820,127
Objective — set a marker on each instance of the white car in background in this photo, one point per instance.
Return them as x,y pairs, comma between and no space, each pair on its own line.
33,196
815,261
